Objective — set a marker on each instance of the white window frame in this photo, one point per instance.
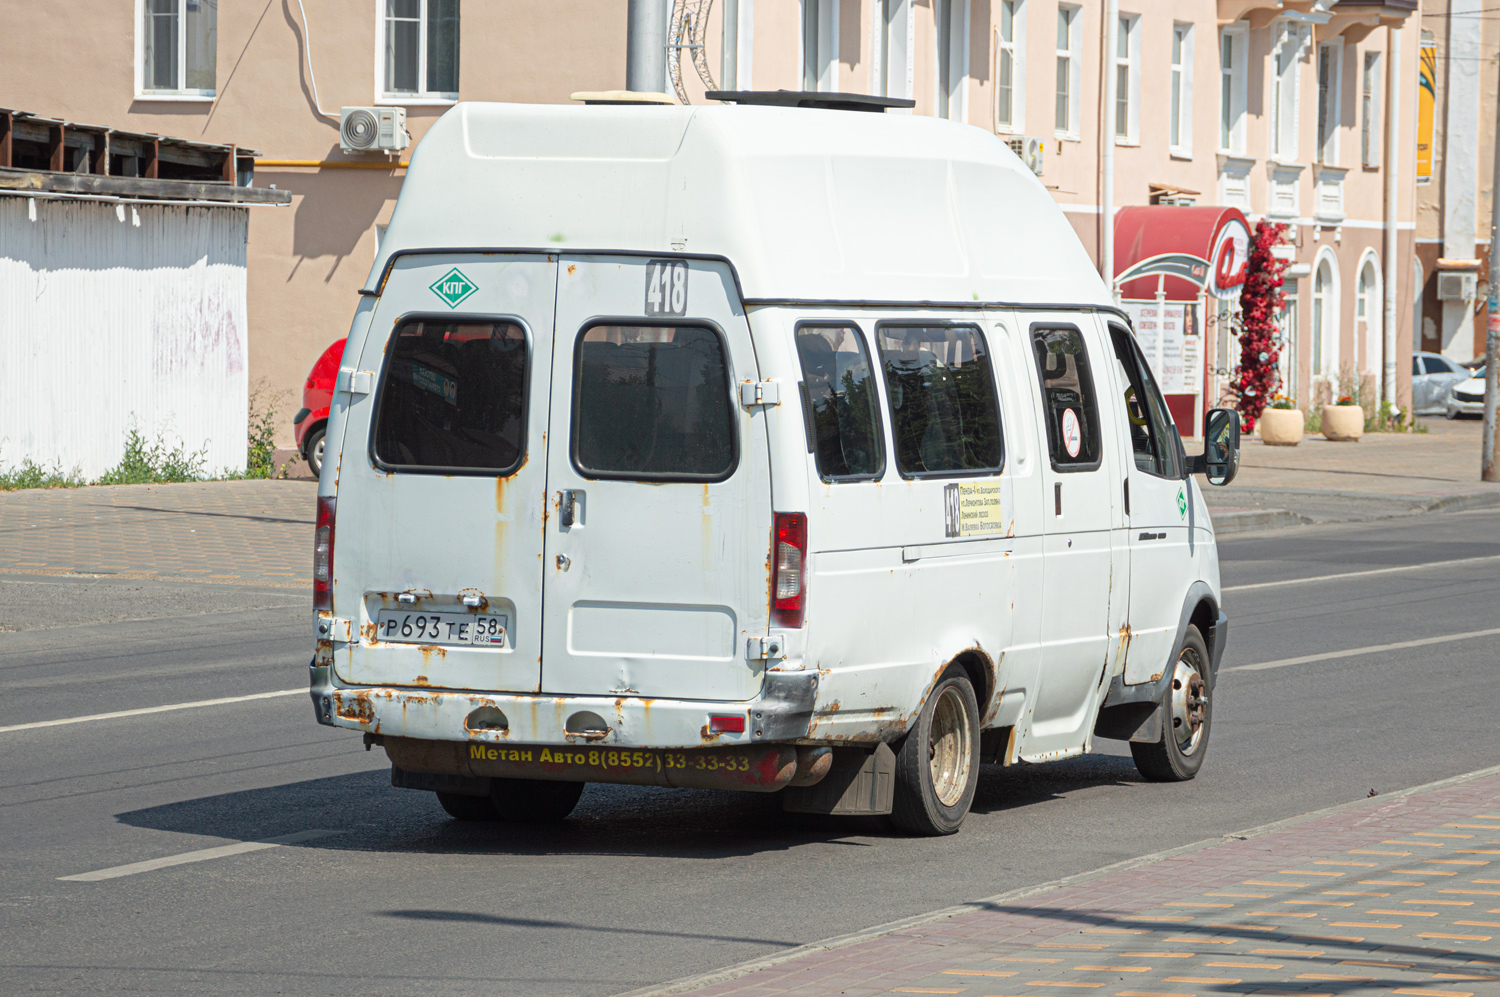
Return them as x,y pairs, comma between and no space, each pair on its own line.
1181,82
1129,26
1016,48
1329,99
1369,110
891,31
1234,112
820,39
179,94
423,96
1073,53
952,53
1326,319
1285,70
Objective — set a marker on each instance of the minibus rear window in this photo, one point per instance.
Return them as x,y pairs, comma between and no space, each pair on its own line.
453,397
945,415
842,404
652,403
1062,361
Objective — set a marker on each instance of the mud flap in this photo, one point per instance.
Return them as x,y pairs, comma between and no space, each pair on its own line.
1130,722
860,783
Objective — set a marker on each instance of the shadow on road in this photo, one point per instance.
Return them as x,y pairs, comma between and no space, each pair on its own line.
369,815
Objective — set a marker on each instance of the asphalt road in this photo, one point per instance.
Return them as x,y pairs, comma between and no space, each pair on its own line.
642,885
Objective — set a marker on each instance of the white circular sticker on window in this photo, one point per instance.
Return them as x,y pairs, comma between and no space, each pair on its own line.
1072,433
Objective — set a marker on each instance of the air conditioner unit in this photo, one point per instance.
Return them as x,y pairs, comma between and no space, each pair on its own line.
373,129
1455,287
1029,148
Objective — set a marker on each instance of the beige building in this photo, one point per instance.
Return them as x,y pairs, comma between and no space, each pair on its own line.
1455,174
1282,108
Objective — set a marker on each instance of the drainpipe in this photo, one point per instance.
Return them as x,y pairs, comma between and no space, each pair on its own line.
1107,158
1392,209
646,46
730,73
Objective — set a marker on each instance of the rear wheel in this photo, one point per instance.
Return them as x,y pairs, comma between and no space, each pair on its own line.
314,450
937,764
534,801
1187,718
468,807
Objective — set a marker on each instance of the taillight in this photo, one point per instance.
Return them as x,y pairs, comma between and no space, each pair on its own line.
788,560
323,555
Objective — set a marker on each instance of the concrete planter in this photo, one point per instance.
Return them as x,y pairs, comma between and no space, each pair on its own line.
1343,423
1281,427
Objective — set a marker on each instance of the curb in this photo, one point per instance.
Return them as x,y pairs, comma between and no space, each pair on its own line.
1228,523
697,982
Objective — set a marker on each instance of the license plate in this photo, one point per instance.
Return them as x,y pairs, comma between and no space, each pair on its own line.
468,629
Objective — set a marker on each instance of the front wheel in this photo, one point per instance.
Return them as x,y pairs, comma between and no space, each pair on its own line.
1187,719
534,801
937,764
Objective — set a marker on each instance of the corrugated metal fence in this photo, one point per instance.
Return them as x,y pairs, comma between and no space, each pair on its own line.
120,315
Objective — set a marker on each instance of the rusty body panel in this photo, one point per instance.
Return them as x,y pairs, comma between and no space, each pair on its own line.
755,769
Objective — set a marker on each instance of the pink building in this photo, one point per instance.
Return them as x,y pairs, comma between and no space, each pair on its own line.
1303,111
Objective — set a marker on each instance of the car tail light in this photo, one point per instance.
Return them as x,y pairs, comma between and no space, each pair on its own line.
788,561
323,555
724,724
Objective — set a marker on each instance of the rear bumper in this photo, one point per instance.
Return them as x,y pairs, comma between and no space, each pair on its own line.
783,712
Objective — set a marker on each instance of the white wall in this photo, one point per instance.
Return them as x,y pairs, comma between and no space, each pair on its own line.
114,315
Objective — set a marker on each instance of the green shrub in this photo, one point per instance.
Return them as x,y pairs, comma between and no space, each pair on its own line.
33,475
154,464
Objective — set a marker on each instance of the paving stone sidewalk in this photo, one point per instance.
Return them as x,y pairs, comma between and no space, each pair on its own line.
1396,895
241,532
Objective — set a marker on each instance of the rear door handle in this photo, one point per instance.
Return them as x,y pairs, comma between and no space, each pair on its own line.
570,502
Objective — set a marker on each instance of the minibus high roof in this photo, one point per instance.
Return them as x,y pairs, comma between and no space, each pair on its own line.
808,205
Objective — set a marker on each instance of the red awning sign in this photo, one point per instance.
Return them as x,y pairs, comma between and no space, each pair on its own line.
1190,250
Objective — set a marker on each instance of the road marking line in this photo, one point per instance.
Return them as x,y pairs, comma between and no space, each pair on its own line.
201,855
1363,574
1351,652
153,709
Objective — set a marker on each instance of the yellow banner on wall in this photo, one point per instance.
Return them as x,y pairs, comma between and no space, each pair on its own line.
1426,109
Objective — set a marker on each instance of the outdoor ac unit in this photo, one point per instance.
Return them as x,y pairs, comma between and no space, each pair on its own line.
1455,287
373,129
1029,148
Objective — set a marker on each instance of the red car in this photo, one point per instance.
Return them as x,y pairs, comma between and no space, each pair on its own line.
312,419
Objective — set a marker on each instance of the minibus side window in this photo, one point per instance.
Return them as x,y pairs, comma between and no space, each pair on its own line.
1072,409
652,403
838,390
453,397
1149,419
945,414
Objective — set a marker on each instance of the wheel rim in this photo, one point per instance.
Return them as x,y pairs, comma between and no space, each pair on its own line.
317,460
948,747
1189,702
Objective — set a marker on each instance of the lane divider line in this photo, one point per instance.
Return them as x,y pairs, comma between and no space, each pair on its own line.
1363,574
153,709
201,855
1351,652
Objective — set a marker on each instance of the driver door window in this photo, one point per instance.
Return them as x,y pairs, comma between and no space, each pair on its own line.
1153,437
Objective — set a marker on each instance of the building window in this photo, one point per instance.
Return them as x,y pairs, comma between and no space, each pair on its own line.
1284,91
1008,72
178,47
1066,111
421,49
1369,111
1234,44
951,57
1182,90
1125,76
891,45
820,33
1325,323
1286,327
1329,61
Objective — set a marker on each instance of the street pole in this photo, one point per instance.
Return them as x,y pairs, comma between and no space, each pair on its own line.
1107,153
646,46
1489,469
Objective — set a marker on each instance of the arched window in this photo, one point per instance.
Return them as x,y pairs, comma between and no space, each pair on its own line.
1325,320
1319,317
1368,307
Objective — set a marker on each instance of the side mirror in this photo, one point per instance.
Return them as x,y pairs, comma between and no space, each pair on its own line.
1221,447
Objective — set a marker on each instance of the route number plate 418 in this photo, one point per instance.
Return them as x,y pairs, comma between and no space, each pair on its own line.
464,629
666,287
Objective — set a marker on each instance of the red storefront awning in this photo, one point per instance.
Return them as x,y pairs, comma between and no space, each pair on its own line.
1190,250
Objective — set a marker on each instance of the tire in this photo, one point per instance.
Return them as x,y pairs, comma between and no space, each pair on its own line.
534,801
937,763
476,808
313,447
1187,718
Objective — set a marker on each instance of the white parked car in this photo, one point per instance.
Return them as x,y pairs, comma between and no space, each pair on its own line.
762,448
1466,397
1432,377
